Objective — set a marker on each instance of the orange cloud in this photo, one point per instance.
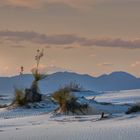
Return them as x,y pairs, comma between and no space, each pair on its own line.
105,64
38,3
72,3
135,64
44,69
22,3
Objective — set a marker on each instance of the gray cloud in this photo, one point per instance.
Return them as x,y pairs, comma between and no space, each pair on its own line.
66,39
18,36
121,43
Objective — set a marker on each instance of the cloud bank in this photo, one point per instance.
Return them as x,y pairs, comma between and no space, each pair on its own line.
72,3
40,3
66,40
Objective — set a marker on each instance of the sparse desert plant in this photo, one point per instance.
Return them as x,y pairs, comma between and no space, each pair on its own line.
134,109
19,97
75,107
33,94
68,102
37,77
35,72
21,70
73,87
62,96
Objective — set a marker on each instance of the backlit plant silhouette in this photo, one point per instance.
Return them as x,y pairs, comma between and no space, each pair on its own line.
31,94
68,102
35,71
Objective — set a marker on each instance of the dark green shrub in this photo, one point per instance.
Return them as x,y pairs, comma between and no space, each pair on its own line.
134,109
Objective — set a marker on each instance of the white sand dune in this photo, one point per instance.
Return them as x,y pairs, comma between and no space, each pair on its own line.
120,97
44,127
41,124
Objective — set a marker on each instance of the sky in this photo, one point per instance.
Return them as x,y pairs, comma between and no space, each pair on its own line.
84,36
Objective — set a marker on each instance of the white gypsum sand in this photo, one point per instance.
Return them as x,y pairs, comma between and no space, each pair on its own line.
41,124
69,128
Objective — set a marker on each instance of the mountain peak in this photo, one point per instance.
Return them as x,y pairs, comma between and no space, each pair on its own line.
121,74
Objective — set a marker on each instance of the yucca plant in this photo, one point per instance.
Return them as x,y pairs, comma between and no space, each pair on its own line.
33,93
19,97
62,96
37,77
68,102
73,86
36,74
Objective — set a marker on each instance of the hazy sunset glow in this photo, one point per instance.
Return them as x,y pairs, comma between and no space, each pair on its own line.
85,36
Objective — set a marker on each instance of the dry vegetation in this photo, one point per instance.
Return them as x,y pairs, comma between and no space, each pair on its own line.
68,102
19,97
32,94
134,109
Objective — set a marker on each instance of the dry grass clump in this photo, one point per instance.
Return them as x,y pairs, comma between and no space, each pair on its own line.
62,96
68,102
19,97
73,87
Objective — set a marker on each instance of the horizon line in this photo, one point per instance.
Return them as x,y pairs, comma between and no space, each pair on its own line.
9,76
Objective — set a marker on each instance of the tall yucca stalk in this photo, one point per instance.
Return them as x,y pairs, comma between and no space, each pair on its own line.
37,76
38,57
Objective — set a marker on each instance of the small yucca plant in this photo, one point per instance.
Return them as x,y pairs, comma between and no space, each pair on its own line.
19,97
68,102
62,96
72,87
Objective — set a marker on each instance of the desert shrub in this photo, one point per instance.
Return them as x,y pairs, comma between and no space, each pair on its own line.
62,96
73,87
37,77
68,102
33,93
75,107
19,97
134,109
35,72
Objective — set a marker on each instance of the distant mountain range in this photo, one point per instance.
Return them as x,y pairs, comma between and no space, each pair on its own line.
111,82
